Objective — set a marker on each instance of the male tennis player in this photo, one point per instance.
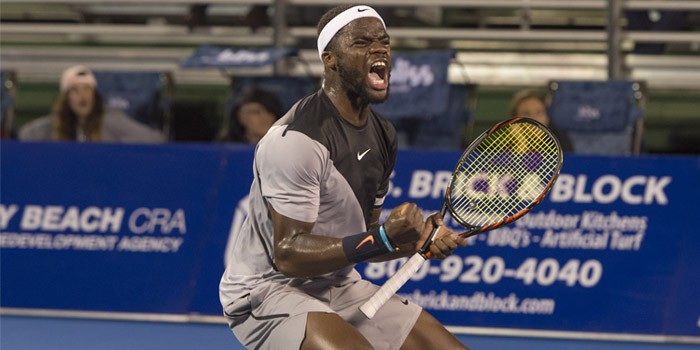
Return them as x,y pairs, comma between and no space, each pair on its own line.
321,175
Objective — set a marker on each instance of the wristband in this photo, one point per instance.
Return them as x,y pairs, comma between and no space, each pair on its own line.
386,240
365,245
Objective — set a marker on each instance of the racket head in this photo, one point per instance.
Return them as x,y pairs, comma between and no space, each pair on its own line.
503,174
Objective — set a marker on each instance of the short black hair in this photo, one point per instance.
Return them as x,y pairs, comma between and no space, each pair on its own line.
266,98
236,131
327,17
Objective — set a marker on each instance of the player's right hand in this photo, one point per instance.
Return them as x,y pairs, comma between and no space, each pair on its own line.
405,224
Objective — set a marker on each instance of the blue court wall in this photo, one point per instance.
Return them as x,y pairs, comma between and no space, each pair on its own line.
143,229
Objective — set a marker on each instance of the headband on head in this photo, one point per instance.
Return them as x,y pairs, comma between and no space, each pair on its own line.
340,21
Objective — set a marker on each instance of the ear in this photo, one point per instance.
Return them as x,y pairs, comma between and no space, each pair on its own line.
329,60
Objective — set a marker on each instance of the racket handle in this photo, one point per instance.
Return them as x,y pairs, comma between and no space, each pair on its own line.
371,306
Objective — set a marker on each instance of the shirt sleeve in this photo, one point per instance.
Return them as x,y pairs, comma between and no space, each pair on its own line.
290,170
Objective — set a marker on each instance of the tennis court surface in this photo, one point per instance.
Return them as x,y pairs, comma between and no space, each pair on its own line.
28,333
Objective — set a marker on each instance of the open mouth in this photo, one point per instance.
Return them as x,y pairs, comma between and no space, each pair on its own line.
378,75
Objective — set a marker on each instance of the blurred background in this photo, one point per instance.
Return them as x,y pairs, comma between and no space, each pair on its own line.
499,48
617,80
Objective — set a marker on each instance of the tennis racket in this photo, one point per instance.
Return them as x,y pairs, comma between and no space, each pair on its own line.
500,177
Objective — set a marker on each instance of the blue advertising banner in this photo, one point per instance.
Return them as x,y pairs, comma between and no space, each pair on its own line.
114,227
208,56
144,229
610,250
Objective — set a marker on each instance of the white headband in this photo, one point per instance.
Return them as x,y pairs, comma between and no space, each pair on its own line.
340,21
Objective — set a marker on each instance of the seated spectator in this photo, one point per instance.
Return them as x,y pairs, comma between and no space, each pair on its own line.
80,115
528,103
255,112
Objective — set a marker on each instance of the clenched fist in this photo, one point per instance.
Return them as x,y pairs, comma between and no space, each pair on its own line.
405,224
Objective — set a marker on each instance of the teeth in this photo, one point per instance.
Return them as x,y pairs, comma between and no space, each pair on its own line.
379,64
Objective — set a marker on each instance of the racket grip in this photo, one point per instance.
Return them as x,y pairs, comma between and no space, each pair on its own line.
371,306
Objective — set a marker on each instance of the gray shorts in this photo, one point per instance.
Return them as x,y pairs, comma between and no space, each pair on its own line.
273,316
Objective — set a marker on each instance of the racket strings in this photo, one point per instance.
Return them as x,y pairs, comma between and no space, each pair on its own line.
526,160
504,174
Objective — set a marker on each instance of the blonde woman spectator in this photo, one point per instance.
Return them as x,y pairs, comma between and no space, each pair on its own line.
528,103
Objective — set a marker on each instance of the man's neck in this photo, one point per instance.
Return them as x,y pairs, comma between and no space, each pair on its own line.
354,113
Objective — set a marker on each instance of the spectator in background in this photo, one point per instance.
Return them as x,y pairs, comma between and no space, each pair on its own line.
528,103
80,115
254,113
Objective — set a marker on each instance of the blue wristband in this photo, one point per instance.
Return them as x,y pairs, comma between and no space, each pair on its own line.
385,239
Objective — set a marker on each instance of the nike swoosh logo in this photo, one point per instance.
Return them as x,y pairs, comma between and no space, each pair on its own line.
404,301
369,238
361,155
362,10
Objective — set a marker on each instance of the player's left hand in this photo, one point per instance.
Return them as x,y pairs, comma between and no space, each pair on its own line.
446,240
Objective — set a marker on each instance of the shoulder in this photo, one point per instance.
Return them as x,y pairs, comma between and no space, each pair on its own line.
119,127
284,148
313,116
384,123
114,118
37,130
386,129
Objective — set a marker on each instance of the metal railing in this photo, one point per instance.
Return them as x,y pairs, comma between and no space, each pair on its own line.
138,39
544,4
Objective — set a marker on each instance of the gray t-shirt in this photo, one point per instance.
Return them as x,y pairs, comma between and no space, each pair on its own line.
311,166
116,127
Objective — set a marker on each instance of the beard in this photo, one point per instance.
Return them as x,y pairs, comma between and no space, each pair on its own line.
354,83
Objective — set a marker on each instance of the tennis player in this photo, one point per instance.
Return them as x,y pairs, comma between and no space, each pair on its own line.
321,175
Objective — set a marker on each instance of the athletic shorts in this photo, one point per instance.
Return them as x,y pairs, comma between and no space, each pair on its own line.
273,316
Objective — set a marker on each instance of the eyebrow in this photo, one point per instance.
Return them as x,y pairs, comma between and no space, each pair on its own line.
367,36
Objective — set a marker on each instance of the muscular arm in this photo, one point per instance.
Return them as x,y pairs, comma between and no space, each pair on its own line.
298,253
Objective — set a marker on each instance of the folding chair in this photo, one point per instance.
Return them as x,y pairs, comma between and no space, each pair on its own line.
601,117
144,96
427,111
8,92
235,63
446,131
